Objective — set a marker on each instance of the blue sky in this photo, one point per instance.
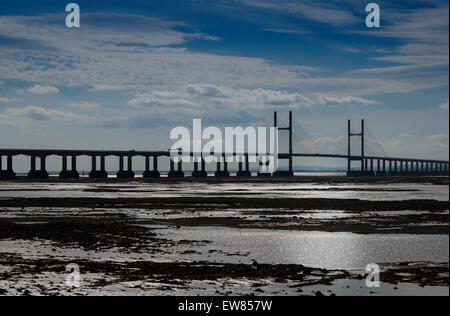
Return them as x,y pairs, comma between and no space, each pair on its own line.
136,69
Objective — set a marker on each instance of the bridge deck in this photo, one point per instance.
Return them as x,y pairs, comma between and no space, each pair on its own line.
69,152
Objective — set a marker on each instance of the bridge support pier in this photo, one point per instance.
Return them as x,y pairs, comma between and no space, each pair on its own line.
430,168
176,173
69,174
98,174
244,173
394,171
381,168
38,174
199,173
222,173
125,174
7,174
263,174
151,174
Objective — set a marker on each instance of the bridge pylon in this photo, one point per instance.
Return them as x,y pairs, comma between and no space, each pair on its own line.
290,171
365,171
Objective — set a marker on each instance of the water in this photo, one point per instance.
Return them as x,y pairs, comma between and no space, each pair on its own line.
385,191
315,249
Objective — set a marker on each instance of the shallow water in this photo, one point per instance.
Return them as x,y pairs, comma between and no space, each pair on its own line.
314,249
386,192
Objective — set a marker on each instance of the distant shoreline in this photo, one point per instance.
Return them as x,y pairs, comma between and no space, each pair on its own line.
436,180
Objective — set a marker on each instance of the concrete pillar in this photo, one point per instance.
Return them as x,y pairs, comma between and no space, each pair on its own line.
147,163
349,149
64,163
178,173
38,174
224,172
125,174
102,163
98,174
218,165
151,174
363,166
9,163
199,172
43,163
121,163
33,163
291,169
69,174
244,172
195,166
155,163
7,174
381,167
130,163
247,163
94,163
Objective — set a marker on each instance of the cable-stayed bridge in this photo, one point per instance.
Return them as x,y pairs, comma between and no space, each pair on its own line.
369,165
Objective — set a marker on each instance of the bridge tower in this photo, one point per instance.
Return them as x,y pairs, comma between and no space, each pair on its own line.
363,171
289,157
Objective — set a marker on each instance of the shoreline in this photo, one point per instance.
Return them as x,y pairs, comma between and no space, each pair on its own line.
436,180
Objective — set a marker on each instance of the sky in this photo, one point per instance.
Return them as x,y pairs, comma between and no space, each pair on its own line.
136,69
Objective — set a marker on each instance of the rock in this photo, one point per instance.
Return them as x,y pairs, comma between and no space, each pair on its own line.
26,293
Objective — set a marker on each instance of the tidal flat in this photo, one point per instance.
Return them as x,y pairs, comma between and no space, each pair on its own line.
313,236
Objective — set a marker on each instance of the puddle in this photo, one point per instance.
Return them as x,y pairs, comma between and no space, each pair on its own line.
314,249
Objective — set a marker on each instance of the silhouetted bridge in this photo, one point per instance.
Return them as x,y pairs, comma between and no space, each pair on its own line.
370,165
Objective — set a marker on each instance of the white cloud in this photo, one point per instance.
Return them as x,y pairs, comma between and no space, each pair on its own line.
124,59
83,105
212,99
434,146
444,105
438,139
9,100
107,87
325,100
423,56
34,113
38,89
314,11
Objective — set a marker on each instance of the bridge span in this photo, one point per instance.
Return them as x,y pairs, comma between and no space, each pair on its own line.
370,166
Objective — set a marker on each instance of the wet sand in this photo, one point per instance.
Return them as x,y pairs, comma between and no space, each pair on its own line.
117,244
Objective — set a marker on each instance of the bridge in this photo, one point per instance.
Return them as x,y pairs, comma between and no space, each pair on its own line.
370,166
